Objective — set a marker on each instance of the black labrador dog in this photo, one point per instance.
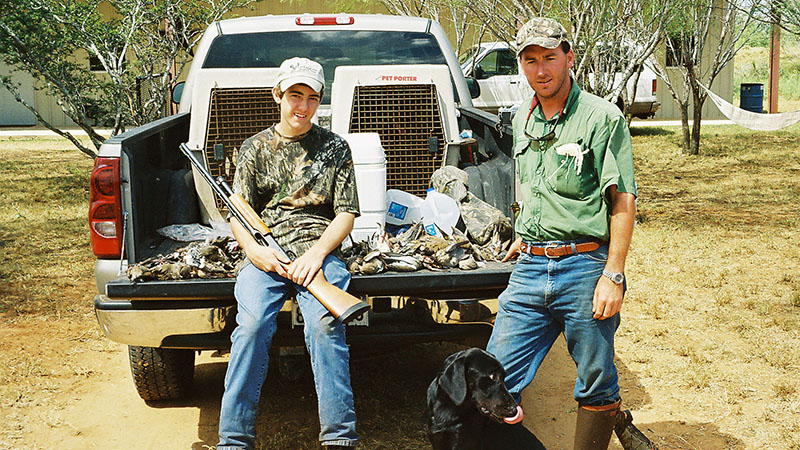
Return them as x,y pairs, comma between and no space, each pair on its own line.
466,405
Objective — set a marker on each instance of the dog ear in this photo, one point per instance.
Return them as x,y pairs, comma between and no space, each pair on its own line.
452,380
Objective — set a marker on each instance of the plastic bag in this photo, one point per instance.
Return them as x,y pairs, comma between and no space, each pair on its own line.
191,232
439,212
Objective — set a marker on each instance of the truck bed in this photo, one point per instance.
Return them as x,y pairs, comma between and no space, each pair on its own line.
421,306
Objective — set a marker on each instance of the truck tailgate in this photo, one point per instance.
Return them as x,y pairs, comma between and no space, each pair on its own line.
484,282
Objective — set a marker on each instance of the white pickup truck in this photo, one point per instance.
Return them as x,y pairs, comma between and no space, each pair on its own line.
395,76
494,66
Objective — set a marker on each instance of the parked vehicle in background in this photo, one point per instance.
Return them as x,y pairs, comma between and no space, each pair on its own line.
494,66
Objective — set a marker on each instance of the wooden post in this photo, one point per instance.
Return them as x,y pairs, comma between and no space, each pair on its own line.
774,64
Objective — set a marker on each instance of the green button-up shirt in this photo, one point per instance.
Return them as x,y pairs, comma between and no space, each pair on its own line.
564,180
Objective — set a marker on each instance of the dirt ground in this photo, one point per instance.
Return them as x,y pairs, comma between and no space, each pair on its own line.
85,399
70,388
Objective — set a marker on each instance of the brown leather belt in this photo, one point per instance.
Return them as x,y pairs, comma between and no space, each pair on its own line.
557,251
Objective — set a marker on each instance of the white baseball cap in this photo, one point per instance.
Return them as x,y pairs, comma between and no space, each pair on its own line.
301,71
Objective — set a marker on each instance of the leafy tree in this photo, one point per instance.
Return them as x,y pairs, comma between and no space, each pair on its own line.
785,13
702,40
148,39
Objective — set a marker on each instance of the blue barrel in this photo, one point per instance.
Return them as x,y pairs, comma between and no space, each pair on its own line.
752,97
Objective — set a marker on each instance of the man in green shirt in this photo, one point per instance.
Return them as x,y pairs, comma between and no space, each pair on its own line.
577,208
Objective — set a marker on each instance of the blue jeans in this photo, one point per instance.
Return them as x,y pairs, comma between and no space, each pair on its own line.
260,296
544,298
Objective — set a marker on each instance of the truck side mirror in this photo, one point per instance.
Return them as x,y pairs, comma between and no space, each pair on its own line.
177,92
474,87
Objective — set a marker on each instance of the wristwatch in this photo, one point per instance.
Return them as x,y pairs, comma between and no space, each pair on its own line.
617,278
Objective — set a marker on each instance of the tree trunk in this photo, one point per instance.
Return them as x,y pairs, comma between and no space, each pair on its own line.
684,108
697,116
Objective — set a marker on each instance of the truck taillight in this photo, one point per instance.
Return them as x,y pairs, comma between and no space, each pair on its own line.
655,85
105,208
341,19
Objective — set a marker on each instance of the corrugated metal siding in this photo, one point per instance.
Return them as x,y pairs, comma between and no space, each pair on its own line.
722,85
11,111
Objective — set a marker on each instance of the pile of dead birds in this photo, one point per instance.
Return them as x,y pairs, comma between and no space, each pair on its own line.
212,258
411,250
415,249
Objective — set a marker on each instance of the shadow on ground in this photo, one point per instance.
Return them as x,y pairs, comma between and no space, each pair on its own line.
390,387
550,410
651,131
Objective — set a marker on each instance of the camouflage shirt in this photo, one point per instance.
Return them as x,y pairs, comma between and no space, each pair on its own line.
297,185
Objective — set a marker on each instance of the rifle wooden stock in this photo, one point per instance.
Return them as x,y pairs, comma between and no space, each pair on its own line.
343,306
249,214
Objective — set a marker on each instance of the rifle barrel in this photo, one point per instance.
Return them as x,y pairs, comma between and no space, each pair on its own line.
342,305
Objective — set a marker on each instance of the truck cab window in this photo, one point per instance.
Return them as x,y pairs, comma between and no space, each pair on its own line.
329,48
506,63
488,66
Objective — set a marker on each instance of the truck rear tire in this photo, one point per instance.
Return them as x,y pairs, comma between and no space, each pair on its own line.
161,373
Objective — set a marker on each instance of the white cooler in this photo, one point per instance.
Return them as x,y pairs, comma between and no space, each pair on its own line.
369,162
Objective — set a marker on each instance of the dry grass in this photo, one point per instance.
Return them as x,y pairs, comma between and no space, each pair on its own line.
44,239
714,280
709,342
45,273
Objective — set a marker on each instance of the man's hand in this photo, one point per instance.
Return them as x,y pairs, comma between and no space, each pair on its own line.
607,299
514,250
268,260
303,269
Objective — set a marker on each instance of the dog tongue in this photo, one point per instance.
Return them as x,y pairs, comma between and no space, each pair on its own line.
516,419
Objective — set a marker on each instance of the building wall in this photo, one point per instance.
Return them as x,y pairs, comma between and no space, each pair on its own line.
11,111
722,85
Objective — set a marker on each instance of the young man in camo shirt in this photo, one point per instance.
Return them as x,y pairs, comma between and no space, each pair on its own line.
299,177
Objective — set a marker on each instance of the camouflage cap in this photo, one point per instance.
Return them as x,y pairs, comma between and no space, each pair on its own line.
541,31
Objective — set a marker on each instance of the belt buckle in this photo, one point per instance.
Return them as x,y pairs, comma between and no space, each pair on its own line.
548,247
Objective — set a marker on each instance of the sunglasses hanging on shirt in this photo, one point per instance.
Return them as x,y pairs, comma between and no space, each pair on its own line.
547,137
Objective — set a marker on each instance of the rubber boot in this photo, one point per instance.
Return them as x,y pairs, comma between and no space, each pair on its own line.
594,426
629,436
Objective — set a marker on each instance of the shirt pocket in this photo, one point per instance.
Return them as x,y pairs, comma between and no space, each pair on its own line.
568,181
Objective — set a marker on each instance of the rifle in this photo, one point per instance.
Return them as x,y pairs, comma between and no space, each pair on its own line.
342,305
